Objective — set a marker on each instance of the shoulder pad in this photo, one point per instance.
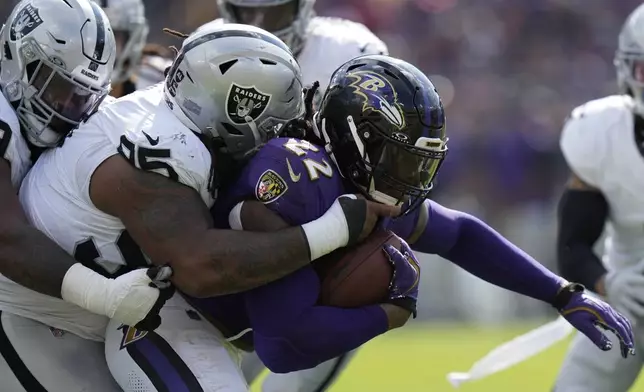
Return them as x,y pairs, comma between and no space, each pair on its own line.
584,139
151,138
330,43
13,146
151,71
354,39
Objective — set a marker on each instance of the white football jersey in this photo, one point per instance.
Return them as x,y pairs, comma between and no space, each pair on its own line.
151,71
598,143
55,193
13,146
331,42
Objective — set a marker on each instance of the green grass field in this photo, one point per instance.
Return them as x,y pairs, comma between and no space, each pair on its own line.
417,360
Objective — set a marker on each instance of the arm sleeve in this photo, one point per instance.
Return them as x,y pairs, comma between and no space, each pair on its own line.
474,246
582,216
292,333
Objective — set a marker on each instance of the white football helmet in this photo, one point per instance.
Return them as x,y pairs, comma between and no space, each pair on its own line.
629,58
56,65
287,19
130,26
236,83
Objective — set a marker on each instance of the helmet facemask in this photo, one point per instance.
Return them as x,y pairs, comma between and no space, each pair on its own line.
49,101
287,19
385,166
129,49
383,123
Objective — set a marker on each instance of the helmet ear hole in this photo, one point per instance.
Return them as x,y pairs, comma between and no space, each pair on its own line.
224,67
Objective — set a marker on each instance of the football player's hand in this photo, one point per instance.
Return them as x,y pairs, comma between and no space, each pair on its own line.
136,298
625,291
589,315
403,288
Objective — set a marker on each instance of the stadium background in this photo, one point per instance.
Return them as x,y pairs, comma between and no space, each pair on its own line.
509,72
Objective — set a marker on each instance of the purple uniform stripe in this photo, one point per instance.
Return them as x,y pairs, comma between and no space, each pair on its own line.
162,365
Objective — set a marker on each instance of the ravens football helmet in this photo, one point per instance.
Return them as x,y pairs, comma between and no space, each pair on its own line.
383,123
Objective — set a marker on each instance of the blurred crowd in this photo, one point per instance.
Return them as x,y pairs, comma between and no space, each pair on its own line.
509,73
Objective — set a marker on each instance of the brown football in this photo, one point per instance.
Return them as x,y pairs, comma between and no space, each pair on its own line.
357,276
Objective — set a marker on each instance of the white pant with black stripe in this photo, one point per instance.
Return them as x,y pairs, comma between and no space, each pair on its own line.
37,358
186,353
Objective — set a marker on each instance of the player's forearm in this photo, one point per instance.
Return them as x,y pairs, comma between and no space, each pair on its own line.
320,334
480,250
581,217
227,261
31,259
292,333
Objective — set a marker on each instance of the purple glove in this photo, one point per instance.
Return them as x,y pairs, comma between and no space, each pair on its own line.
403,288
586,313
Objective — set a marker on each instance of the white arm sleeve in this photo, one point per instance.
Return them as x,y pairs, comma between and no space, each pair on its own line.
234,217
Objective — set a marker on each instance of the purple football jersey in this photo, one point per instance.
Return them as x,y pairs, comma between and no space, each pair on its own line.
292,177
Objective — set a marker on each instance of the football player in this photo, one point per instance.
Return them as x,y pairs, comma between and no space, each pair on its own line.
321,44
381,131
54,71
603,143
136,181
137,65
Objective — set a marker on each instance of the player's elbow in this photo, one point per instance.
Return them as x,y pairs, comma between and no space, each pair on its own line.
200,276
191,275
279,356
13,232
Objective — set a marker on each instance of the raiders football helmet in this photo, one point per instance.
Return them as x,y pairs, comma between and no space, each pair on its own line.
57,58
236,83
287,19
130,26
383,124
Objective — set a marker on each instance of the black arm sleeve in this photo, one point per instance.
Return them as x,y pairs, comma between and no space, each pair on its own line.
582,215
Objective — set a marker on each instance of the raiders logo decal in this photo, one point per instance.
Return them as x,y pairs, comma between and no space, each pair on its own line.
25,22
245,102
270,187
130,335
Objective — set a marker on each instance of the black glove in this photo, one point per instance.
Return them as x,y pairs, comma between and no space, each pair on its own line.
160,277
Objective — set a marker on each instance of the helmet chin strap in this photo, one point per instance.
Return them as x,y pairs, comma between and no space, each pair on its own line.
257,135
381,197
324,136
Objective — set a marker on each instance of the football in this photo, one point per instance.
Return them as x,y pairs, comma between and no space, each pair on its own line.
357,276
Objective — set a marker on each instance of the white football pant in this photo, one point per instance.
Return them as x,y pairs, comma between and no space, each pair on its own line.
185,354
588,369
37,358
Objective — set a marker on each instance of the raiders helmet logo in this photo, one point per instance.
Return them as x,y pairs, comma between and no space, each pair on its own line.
270,187
243,102
25,22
